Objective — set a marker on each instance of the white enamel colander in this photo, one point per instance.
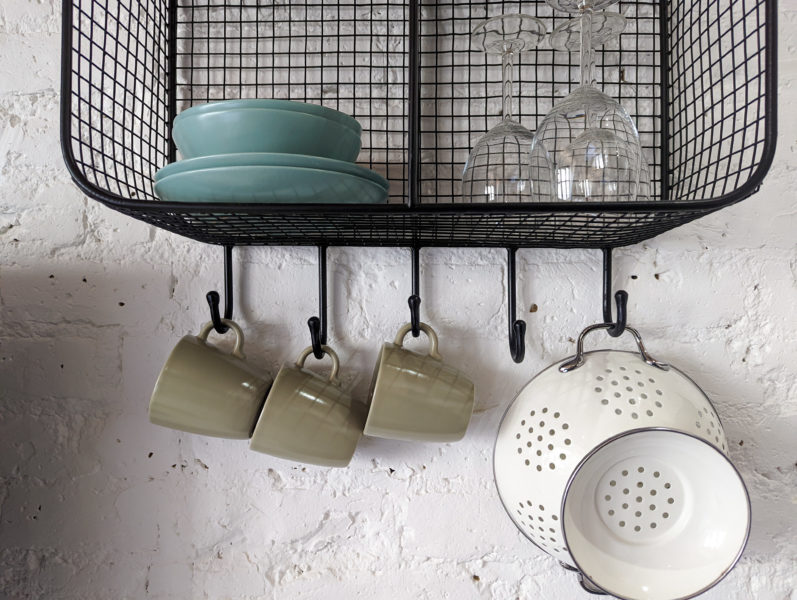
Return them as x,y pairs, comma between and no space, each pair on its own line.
616,465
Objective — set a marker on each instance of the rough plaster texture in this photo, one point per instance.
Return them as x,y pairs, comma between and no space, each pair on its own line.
96,503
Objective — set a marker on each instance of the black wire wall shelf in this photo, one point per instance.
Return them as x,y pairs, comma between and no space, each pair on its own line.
697,76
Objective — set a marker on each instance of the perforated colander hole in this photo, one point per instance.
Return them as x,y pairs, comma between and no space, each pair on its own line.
598,389
567,441
659,392
631,401
605,401
621,523
667,486
617,411
599,378
544,410
618,395
665,515
532,413
556,415
517,437
615,382
612,483
653,526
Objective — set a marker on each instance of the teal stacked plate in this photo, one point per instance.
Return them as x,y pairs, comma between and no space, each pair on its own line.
264,177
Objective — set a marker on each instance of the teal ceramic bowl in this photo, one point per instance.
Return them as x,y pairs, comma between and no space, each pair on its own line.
302,107
213,129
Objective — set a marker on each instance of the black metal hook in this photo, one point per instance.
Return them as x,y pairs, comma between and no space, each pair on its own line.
620,298
213,297
517,327
318,325
415,299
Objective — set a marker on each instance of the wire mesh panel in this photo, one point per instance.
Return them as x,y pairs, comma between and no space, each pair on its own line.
696,76
718,84
115,94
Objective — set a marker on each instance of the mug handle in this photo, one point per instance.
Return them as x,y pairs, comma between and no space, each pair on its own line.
238,350
333,376
402,333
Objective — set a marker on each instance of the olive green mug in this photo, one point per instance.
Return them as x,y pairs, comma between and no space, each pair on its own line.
417,397
202,389
309,418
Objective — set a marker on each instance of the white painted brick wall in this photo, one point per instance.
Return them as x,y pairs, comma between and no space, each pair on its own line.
96,503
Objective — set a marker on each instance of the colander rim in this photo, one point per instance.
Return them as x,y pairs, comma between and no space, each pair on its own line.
638,430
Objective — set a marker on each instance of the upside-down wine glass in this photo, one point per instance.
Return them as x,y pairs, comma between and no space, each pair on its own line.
497,169
587,148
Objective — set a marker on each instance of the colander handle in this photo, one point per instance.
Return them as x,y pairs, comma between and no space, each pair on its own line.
578,360
588,586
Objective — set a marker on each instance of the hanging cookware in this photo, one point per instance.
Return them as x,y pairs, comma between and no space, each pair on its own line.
616,465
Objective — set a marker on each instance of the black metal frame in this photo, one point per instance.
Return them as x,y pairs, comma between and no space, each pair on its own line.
418,222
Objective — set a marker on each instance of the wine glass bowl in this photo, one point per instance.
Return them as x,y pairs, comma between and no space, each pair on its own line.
591,146
498,166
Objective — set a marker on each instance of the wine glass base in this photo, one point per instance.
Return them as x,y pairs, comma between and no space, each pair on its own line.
508,33
605,27
576,6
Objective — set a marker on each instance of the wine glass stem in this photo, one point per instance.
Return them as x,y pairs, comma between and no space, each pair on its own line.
508,66
587,54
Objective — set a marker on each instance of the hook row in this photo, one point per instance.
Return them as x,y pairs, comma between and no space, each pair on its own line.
516,329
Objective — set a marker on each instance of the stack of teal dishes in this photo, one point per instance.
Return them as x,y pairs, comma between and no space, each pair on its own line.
268,151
